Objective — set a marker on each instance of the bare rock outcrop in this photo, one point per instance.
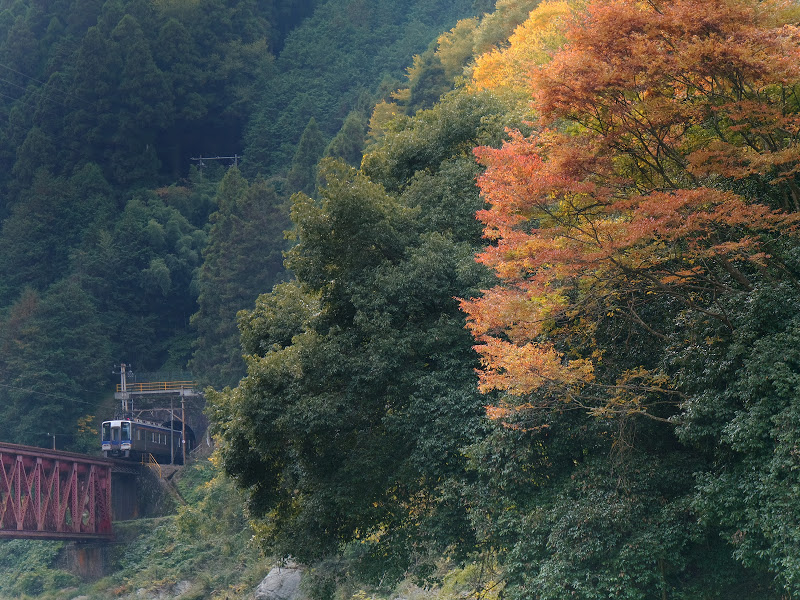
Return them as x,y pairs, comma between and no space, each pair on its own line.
281,583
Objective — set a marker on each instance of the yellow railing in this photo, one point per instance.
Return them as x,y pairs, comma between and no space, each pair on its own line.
158,386
151,462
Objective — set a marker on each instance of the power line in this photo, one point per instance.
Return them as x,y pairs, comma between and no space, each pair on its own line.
59,396
23,74
41,91
40,81
24,89
20,100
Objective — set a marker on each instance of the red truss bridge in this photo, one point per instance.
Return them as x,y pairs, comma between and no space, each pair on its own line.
48,494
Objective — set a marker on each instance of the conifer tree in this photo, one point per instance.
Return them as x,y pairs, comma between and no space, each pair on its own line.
302,175
54,354
348,144
243,257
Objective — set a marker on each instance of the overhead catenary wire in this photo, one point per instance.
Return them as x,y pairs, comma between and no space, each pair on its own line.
5,66
27,102
59,396
19,99
25,90
41,91
20,73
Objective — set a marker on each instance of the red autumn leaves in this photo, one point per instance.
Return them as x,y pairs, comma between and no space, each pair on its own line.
630,189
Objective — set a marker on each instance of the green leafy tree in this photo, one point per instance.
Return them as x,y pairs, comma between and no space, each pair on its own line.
243,257
20,52
318,75
36,152
360,394
428,81
143,96
140,272
741,413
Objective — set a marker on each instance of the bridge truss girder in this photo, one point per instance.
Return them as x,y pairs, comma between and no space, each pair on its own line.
53,495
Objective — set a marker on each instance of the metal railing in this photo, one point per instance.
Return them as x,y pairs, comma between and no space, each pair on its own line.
158,386
151,462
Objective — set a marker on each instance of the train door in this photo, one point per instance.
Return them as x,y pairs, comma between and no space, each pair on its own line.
110,434
125,438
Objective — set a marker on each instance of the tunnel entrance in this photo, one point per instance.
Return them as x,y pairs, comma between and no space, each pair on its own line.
177,425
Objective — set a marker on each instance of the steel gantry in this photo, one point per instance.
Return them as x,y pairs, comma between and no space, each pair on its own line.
53,495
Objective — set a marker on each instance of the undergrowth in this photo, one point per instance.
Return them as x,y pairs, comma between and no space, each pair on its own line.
203,551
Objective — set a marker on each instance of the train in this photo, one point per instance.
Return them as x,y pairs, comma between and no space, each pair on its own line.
136,439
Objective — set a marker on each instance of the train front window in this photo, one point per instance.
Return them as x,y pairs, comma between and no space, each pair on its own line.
126,431
115,434
106,432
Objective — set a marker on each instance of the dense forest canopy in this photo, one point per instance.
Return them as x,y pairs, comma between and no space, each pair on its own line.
533,319
635,332
105,109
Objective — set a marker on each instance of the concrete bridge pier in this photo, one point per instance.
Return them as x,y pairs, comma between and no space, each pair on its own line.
137,493
88,560
124,495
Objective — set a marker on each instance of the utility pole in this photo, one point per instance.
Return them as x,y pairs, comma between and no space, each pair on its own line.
171,433
183,428
123,388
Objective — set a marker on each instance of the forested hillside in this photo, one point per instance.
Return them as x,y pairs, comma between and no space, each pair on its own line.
532,331
115,245
627,427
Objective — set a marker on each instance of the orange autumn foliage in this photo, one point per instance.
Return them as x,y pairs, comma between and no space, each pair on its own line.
625,193
531,44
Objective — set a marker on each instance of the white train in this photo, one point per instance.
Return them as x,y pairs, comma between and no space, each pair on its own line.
135,439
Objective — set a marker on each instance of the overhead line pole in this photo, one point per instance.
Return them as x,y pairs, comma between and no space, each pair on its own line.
183,428
171,433
235,158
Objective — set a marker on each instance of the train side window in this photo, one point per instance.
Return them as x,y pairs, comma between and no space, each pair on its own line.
139,434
